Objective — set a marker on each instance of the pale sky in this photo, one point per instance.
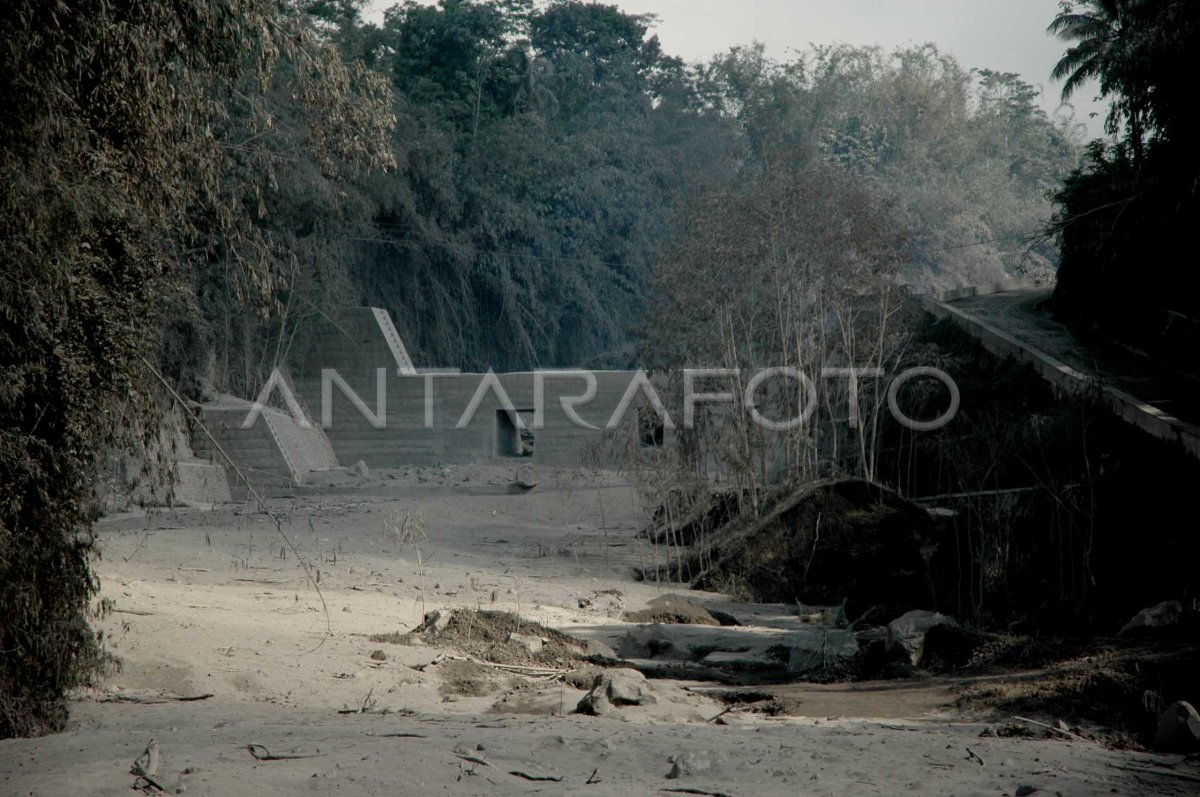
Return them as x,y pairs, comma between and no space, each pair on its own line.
1004,35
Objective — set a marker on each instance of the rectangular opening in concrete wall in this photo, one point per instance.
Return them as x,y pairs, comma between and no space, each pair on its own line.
511,439
650,428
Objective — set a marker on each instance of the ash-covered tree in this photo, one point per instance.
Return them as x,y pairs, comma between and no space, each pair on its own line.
121,167
797,271
966,156
543,152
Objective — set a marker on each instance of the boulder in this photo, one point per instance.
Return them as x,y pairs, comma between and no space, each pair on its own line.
527,477
594,647
724,618
906,634
673,610
950,646
1178,729
615,688
645,642
435,622
625,687
531,643
1164,615
693,762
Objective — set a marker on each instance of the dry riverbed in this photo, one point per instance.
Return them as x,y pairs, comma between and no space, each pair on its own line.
294,690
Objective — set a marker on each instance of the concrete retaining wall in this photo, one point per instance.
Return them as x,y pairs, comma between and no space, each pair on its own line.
416,419
354,339
417,430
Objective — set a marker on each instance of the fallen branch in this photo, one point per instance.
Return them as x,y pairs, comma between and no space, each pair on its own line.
145,766
974,756
685,790
1166,773
1052,728
473,759
151,783
513,668
925,499
718,716
551,778
152,699
267,755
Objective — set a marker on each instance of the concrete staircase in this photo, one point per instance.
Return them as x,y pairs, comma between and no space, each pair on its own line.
276,453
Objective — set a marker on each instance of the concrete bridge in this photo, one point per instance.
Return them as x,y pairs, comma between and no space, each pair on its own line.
1011,319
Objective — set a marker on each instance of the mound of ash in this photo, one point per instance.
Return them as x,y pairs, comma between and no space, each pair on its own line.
845,542
496,637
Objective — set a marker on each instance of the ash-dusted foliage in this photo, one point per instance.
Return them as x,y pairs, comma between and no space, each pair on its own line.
965,155
113,159
795,270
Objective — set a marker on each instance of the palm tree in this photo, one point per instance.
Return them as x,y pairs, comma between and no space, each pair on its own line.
1097,27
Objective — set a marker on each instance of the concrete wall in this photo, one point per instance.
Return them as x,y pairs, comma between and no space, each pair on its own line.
255,451
362,347
420,430
201,483
415,420
972,291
